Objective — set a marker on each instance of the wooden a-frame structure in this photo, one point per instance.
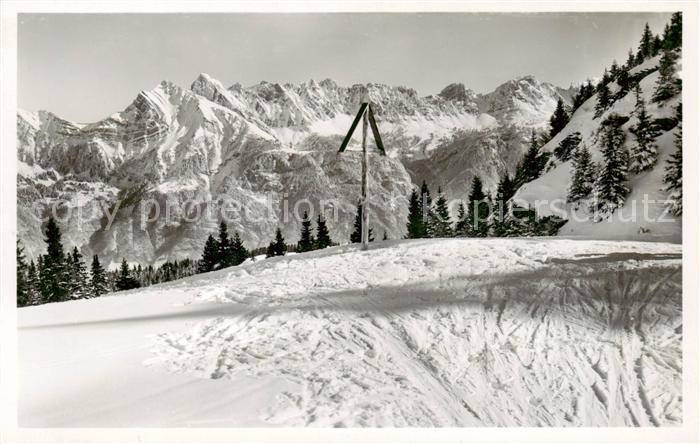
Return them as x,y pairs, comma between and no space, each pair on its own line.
367,116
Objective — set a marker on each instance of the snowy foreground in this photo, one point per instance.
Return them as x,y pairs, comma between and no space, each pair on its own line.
455,332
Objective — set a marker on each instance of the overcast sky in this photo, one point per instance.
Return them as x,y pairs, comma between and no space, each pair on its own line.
85,67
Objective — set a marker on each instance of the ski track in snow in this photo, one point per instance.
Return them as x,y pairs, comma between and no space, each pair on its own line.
491,332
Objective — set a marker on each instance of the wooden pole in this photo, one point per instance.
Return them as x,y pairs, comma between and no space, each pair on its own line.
365,200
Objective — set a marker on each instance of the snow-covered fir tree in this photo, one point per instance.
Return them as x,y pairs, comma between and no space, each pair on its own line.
567,146
610,189
603,99
668,84
33,295
673,178
582,175
644,152
439,222
79,288
22,285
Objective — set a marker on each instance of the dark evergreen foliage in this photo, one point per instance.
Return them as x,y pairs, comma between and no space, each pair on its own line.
356,235
98,281
125,281
583,175
610,189
323,237
22,285
644,152
415,226
667,85
210,256
559,119
478,210
439,222
53,275
567,146
277,247
673,178
306,239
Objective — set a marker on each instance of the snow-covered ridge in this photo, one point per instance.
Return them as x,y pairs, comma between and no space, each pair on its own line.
644,215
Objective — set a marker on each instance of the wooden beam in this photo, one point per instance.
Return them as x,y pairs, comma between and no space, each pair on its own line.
360,113
365,179
375,131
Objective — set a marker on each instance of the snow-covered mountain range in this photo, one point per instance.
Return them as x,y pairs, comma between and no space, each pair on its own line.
210,148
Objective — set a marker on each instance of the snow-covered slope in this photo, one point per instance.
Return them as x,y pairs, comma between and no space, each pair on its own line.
452,332
262,147
644,215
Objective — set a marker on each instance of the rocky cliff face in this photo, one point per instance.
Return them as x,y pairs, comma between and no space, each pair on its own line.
151,182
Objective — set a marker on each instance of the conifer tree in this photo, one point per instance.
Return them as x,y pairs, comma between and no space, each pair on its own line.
224,243
559,119
461,225
656,45
673,38
98,281
504,191
478,210
277,247
426,203
356,235
33,295
439,223
631,61
22,284
644,152
323,237
125,281
583,175
567,146
78,276
614,70
306,239
673,177
532,164
667,85
415,225
610,189
53,276
579,98
646,43
604,99
210,256
239,252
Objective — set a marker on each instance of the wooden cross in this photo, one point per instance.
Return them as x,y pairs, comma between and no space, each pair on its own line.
367,115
